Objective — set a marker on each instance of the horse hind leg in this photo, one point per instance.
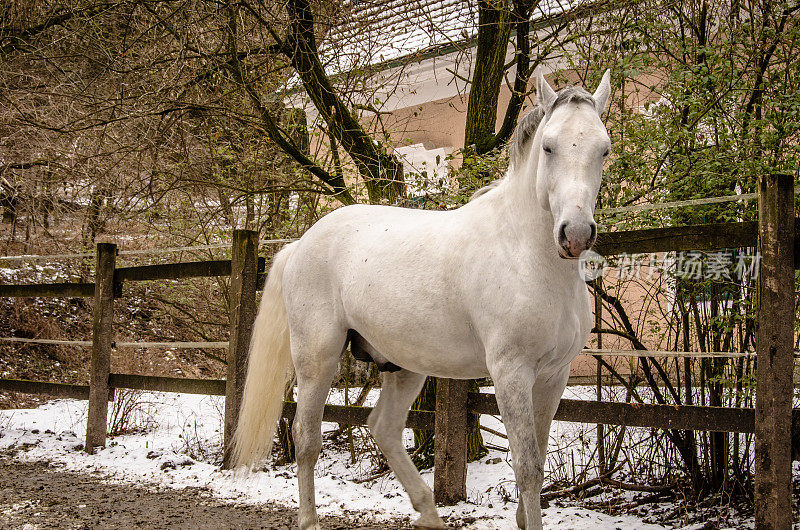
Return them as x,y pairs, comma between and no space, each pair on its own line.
386,422
315,367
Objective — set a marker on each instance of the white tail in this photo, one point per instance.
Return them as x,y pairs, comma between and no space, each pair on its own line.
267,372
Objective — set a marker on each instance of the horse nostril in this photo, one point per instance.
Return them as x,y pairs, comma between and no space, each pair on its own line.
593,234
562,236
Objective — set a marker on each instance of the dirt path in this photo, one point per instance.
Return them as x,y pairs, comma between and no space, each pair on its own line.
36,496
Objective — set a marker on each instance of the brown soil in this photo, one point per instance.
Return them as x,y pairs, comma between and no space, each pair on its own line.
37,495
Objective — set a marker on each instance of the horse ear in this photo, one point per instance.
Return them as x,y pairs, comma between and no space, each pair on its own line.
545,95
602,92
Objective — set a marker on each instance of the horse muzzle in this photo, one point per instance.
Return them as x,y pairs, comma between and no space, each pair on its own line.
575,237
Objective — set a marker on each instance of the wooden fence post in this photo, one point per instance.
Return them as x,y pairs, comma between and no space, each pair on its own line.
775,362
450,441
244,277
598,324
102,334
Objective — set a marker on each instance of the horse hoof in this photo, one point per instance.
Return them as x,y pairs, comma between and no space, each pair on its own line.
428,524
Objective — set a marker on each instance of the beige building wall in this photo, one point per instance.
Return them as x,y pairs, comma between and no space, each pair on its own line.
440,123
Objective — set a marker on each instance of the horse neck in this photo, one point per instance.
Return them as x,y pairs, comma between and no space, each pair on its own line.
530,225
522,207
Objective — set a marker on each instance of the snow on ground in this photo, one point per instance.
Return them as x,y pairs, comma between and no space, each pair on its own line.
181,437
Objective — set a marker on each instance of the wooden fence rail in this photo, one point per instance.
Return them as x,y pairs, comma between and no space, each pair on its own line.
58,390
66,290
174,271
678,238
715,419
454,405
209,387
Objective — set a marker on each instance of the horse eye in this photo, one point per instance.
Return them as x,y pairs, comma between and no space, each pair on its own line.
547,150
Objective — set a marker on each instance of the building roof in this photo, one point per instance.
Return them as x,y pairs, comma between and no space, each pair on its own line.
368,32
393,54
386,33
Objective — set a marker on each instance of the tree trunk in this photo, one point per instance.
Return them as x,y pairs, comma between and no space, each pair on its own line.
94,219
496,19
382,173
494,29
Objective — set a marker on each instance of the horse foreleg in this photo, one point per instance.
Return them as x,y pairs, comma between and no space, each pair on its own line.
514,392
313,384
386,422
546,397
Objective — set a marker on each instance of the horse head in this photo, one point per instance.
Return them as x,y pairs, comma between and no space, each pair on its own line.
564,144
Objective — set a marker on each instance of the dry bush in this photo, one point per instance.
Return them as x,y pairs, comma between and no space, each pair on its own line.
131,413
199,447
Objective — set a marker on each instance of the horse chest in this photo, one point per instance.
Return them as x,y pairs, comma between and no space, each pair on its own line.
547,322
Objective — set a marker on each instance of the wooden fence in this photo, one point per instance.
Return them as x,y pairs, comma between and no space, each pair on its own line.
772,419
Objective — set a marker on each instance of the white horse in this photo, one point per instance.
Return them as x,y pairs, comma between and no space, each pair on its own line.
490,289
